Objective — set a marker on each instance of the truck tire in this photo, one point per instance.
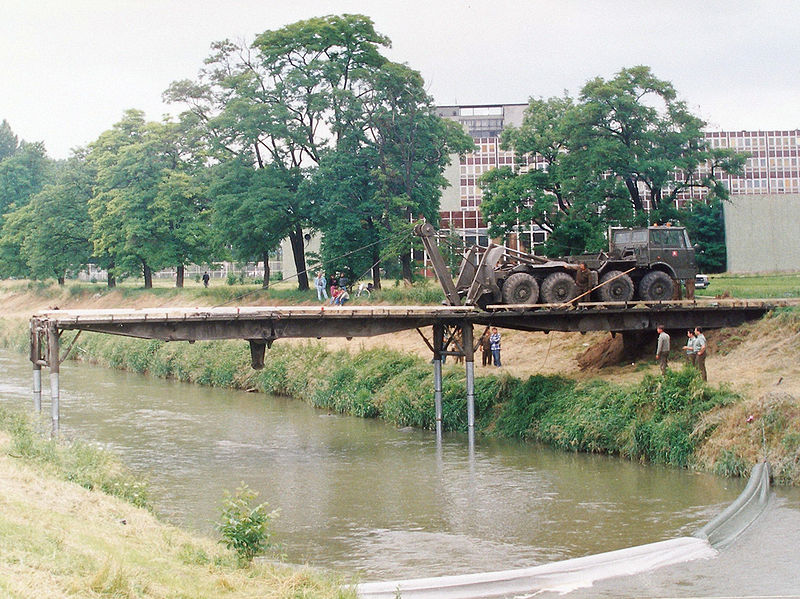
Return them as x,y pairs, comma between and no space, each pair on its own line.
619,290
558,288
521,288
656,286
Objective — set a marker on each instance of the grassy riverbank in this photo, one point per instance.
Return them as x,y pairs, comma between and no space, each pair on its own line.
73,523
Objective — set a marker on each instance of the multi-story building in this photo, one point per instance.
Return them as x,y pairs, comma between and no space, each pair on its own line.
762,220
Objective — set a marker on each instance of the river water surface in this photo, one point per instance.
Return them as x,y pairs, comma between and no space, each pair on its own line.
361,496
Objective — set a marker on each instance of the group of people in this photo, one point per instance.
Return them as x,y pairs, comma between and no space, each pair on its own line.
339,293
339,288
696,349
490,347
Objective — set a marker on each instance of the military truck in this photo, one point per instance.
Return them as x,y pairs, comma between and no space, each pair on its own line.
641,263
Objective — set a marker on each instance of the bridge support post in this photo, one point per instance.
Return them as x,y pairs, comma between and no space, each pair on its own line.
36,360
438,342
55,367
37,387
469,361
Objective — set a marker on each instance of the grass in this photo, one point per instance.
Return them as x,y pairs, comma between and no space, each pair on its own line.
746,286
61,539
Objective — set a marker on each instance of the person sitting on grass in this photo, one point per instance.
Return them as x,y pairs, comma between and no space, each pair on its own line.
342,296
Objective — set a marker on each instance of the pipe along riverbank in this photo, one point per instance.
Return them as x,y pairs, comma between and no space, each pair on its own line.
568,575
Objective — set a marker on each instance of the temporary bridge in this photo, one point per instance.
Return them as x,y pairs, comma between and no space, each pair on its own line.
452,328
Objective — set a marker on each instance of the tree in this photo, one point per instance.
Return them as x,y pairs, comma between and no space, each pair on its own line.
22,174
16,224
8,141
706,226
545,188
623,141
412,146
282,101
632,129
256,197
148,209
349,213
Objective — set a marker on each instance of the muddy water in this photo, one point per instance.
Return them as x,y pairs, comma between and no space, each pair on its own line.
360,496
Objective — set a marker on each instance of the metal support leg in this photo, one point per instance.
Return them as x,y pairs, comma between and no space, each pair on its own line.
469,360
37,387
53,362
438,341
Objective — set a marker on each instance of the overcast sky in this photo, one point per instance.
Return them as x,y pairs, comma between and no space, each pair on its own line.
69,68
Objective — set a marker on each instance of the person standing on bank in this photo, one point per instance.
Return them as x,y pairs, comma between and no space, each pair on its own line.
486,348
689,347
494,343
206,278
321,283
662,349
700,349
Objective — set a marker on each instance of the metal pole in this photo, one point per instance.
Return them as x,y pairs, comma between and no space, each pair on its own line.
37,387
52,358
469,361
438,341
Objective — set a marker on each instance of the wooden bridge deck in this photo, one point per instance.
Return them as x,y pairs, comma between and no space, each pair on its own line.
268,322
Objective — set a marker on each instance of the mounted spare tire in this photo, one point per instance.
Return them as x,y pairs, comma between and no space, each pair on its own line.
558,288
619,290
656,286
520,288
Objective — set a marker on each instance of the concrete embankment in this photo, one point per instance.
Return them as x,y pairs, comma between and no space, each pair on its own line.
568,575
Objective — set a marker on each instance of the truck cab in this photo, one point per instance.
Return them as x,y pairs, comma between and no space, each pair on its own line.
664,248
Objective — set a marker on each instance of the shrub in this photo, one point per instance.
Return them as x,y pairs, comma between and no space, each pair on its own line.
245,527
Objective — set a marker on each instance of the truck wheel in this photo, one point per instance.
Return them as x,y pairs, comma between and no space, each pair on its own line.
656,286
558,288
520,288
618,290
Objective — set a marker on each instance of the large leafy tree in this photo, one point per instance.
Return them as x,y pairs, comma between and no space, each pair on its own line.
284,100
148,208
412,146
623,141
49,235
23,173
249,209
633,130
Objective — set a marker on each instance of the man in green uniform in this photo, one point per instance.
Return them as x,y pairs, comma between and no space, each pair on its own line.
662,349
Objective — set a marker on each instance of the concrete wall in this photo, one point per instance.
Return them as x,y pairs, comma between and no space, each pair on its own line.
763,232
451,195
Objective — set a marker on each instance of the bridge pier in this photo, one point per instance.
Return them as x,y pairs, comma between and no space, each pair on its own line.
438,342
469,362
54,363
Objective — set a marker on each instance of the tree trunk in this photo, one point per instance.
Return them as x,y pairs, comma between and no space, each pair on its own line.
60,280
148,276
299,255
376,267
633,190
265,284
112,280
179,276
408,273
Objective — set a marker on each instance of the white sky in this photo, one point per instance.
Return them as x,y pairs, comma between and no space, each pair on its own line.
69,68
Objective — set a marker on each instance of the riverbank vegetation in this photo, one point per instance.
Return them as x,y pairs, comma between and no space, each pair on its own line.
72,525
676,420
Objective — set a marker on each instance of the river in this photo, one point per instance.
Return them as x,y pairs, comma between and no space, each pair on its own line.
363,497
